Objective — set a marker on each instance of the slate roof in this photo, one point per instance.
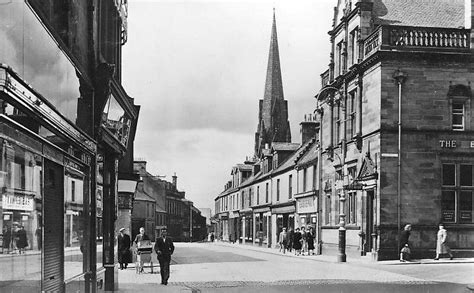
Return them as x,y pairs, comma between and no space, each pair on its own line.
294,157
142,195
285,146
309,155
244,167
427,13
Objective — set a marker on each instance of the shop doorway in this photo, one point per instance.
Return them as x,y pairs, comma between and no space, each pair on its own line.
53,260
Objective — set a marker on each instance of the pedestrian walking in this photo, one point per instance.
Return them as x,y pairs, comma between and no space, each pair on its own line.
124,254
212,236
404,236
283,240
7,238
310,239
441,246
164,248
304,241
22,241
297,241
291,235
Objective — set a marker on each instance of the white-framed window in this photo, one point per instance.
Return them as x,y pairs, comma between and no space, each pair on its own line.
458,116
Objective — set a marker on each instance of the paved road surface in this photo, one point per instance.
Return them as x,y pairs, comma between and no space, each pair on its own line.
211,267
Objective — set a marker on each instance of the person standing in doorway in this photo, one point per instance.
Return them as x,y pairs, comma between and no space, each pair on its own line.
164,248
124,254
441,246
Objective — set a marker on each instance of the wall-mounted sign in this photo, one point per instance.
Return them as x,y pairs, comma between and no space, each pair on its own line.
447,143
306,205
448,216
22,202
452,144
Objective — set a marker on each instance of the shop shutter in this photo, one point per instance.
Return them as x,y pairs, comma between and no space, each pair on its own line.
53,258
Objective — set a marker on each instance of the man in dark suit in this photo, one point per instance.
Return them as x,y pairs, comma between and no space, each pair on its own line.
164,248
124,254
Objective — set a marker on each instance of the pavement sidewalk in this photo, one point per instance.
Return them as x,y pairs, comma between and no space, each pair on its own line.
333,258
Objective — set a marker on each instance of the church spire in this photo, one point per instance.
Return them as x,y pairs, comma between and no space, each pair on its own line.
273,110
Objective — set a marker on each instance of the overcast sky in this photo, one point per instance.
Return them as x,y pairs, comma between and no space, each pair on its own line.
198,68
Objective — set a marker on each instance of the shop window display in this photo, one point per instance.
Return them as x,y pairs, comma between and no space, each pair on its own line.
20,215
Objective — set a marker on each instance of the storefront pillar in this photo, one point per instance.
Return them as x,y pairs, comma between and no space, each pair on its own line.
109,217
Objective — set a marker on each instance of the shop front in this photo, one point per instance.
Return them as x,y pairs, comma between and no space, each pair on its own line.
306,209
246,220
285,218
47,161
234,227
262,229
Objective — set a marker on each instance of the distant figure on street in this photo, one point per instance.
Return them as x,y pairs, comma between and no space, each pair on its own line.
7,238
22,241
212,237
404,236
310,239
304,241
283,240
297,241
124,253
164,248
441,246
39,238
291,235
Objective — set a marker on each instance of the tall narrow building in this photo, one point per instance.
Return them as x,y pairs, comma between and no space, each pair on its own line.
273,124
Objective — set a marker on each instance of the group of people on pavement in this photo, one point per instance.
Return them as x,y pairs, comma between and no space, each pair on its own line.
164,248
441,246
300,241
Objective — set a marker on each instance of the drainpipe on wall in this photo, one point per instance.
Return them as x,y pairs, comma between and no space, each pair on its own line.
399,77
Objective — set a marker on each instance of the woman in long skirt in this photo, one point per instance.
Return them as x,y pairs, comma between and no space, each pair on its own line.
441,246
310,239
297,241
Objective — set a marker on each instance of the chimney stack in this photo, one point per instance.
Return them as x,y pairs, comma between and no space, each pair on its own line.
175,181
309,128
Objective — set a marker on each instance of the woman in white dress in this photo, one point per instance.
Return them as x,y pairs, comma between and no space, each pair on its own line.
441,246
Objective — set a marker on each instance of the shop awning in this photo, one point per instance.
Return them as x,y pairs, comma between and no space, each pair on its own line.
284,210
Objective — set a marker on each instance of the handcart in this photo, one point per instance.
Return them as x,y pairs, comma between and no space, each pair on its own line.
144,250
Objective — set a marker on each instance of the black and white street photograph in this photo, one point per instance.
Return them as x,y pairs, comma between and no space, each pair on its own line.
236,146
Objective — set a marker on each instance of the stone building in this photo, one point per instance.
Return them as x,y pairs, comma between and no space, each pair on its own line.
396,122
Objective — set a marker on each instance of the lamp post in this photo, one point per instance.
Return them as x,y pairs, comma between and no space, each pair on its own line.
341,257
399,77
